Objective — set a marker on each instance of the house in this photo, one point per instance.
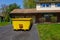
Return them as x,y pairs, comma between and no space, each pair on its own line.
1,18
44,10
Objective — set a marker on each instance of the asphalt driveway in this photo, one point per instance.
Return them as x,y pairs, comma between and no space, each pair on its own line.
7,33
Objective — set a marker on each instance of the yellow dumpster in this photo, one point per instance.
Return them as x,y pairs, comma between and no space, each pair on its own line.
22,23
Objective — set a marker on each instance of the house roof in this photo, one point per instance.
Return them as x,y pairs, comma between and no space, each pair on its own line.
48,1
32,11
1,15
23,11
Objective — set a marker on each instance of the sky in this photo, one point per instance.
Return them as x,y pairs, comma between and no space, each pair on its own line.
7,2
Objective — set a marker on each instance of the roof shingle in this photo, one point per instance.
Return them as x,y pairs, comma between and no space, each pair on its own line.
32,11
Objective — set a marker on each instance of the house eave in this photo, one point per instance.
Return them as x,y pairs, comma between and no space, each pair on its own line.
26,11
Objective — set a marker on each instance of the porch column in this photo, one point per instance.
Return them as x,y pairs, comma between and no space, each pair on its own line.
39,15
58,17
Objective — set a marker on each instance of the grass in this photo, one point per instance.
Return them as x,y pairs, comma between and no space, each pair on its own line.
4,23
49,31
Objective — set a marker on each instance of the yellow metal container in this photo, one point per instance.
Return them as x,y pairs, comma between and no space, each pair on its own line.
21,23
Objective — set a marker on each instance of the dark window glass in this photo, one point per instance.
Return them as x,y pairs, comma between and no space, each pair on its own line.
45,5
48,5
42,5
57,4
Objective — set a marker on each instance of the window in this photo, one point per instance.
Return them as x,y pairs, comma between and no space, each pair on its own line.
42,5
46,16
45,5
57,4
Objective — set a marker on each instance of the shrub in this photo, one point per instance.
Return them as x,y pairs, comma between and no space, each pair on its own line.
42,20
54,19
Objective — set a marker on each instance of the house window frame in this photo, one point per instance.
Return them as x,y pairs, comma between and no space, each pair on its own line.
45,5
57,4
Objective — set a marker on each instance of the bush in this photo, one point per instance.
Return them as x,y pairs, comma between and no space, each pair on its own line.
42,20
54,19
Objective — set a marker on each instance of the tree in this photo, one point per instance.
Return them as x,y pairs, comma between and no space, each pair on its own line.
7,9
4,12
3,8
12,7
29,4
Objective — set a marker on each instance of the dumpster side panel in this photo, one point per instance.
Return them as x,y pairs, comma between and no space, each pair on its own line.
15,25
26,24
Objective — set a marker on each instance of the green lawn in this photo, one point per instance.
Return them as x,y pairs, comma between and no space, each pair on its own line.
49,31
4,23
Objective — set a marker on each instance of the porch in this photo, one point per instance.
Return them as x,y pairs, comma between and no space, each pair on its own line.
39,17
47,17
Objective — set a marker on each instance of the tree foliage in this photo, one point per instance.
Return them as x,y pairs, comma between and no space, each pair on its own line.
3,8
6,9
29,4
12,7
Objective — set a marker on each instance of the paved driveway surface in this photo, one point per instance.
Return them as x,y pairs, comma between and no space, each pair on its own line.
7,33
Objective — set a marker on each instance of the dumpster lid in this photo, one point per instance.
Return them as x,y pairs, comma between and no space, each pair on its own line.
21,19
